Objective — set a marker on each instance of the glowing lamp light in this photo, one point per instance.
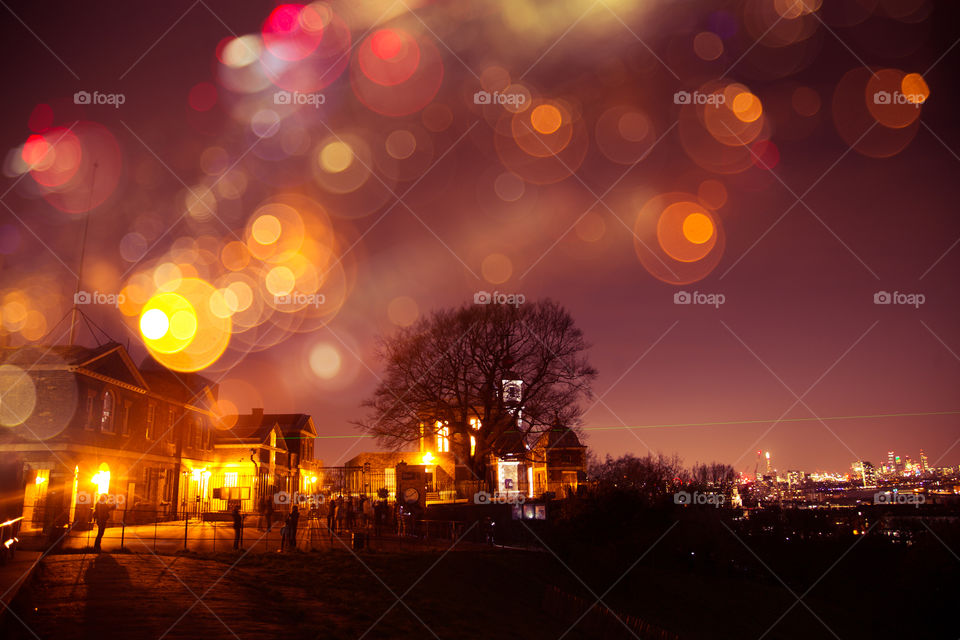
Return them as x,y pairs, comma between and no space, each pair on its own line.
313,479
102,479
427,458
40,480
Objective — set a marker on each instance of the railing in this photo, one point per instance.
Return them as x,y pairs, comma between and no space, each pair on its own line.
215,532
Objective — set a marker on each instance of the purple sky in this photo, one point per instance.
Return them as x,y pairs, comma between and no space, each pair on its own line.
798,321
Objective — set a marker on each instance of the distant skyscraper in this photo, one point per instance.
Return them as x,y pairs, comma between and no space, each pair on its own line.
924,463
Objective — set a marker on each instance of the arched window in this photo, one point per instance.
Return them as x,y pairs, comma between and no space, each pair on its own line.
106,418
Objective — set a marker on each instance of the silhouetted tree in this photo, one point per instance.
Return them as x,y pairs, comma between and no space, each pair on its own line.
652,476
449,367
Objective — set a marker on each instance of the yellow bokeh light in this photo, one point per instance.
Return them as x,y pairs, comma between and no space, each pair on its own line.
183,324
697,228
241,51
154,324
336,157
167,276
223,303
546,118
280,280
243,294
168,322
325,360
181,329
266,229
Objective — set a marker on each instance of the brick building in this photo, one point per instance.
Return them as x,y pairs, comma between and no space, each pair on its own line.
82,422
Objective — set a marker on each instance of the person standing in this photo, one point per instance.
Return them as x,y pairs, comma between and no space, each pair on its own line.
237,527
292,520
367,512
331,515
101,514
268,511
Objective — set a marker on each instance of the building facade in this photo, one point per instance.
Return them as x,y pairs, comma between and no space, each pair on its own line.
79,423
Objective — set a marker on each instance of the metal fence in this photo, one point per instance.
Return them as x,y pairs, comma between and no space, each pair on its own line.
216,532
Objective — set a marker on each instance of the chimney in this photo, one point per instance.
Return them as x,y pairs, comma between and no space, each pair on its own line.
257,415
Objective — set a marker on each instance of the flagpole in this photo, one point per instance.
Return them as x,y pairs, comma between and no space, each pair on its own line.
83,249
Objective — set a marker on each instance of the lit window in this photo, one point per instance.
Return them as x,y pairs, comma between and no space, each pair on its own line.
390,481
151,415
106,417
443,438
475,423
473,445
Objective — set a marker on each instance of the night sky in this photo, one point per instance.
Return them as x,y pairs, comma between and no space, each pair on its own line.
821,201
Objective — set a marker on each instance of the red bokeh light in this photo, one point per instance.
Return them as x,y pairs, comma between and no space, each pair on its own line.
41,118
202,97
292,31
386,44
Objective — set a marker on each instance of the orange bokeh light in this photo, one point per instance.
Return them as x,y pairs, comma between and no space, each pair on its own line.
546,118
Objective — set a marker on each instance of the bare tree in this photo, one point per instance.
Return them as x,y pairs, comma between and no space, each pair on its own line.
450,367
652,476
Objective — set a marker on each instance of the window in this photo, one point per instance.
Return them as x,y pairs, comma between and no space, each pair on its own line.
443,438
171,422
88,423
106,416
125,418
390,481
151,418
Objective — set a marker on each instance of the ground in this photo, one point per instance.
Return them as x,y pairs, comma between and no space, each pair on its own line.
298,595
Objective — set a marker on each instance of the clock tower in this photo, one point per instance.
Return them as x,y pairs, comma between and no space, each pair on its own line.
511,389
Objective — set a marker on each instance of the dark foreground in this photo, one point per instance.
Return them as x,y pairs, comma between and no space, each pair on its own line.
474,593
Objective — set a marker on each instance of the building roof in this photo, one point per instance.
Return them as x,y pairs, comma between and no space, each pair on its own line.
558,437
509,443
256,426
